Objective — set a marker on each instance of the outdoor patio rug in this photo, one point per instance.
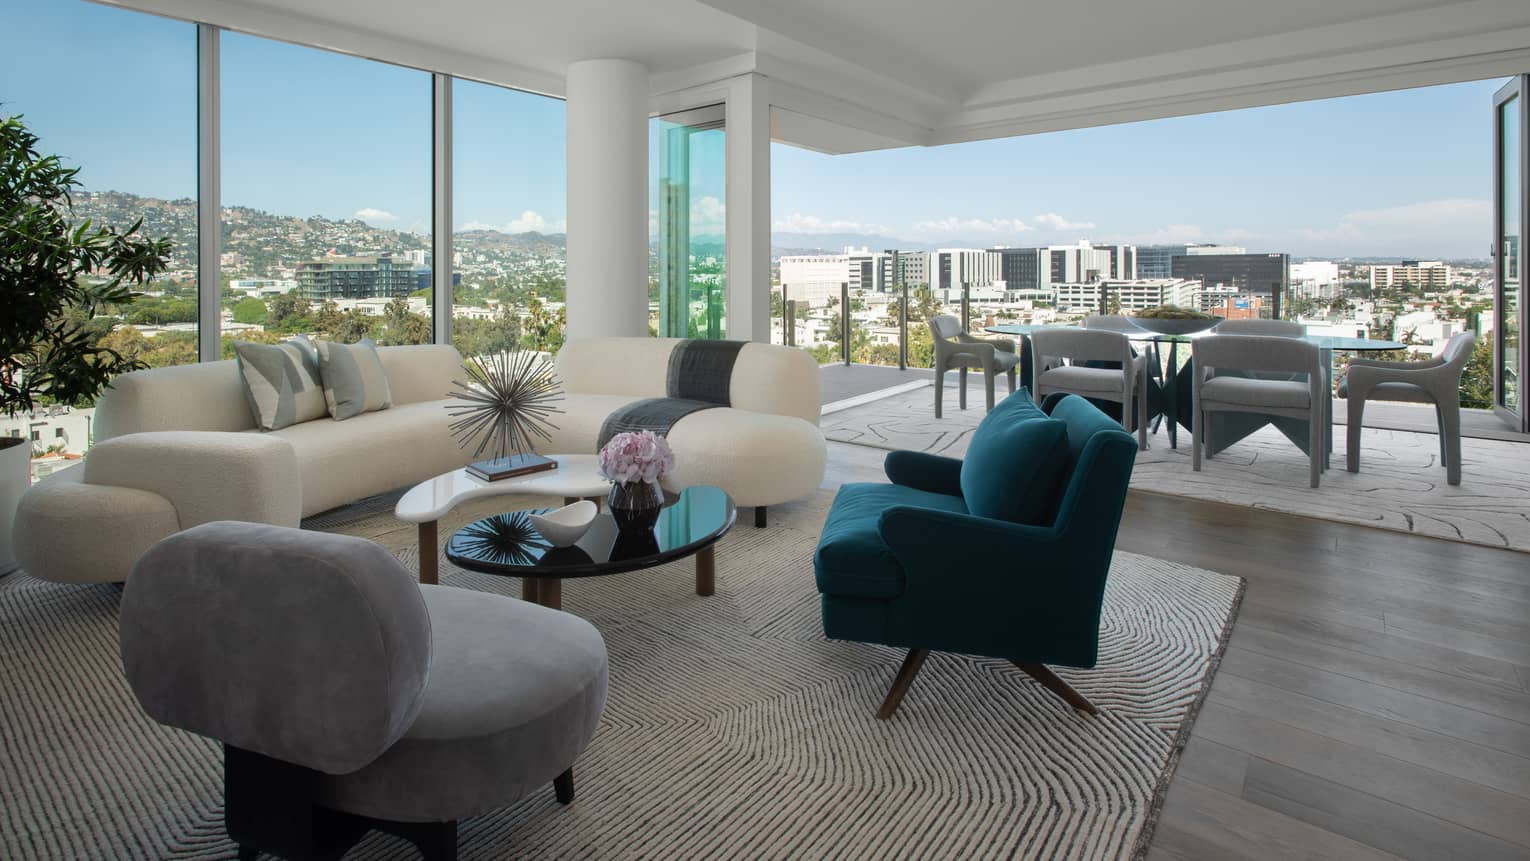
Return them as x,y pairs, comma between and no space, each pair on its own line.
1401,485
733,730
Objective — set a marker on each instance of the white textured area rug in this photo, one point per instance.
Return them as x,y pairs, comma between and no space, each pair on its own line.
733,728
1400,486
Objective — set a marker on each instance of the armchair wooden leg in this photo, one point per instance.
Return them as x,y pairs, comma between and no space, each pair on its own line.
1051,682
900,685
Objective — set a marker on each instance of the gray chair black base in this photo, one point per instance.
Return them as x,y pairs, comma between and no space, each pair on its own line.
270,806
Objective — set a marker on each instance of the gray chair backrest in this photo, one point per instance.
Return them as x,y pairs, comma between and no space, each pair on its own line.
1079,345
304,646
945,327
1268,328
1255,353
1111,323
1458,350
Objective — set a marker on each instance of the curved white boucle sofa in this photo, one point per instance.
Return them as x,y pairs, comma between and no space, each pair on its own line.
765,449
177,447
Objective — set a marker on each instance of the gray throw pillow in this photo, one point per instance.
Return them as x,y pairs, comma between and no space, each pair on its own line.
354,382
281,382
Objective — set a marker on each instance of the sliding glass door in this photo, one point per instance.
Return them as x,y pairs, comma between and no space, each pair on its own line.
689,173
1510,205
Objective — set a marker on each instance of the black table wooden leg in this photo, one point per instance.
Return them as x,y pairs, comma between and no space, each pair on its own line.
563,786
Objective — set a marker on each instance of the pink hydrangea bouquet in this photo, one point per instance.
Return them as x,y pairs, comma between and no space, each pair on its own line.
636,456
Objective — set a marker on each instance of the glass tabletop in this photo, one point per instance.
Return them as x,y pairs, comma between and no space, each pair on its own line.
1323,342
507,544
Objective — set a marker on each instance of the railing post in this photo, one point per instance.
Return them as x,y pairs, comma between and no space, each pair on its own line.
844,321
786,339
790,323
966,306
902,313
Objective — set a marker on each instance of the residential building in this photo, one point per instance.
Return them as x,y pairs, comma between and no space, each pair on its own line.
1427,275
337,277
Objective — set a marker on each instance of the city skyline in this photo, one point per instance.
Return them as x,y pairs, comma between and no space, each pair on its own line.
308,132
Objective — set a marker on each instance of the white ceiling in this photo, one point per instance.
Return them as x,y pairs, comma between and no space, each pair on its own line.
898,72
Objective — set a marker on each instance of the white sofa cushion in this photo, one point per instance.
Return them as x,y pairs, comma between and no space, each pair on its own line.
341,462
354,379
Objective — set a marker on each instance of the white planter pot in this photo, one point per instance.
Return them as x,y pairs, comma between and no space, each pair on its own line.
15,477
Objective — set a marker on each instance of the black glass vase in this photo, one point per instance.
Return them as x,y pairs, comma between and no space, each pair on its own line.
635,505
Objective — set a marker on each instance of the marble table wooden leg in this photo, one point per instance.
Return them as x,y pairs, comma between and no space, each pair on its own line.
530,590
550,593
428,570
706,570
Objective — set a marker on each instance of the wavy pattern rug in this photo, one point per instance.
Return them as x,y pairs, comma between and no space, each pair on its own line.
1400,486
733,730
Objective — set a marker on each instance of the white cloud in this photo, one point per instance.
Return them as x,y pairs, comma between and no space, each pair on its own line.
1053,221
969,227
529,221
1450,227
799,223
370,215
708,215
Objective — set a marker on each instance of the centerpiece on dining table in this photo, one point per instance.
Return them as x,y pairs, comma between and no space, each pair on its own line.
634,462
1174,320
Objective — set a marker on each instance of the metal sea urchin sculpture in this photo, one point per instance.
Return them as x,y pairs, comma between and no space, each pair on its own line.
507,399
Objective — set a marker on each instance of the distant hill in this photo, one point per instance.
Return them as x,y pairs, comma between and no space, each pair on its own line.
259,242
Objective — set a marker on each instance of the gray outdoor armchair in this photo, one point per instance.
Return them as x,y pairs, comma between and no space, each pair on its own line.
1125,384
955,348
347,696
1304,399
1435,381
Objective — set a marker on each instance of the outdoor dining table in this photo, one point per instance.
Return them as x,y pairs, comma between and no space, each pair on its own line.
1170,398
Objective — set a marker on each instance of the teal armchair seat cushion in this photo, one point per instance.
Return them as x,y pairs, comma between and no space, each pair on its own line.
852,559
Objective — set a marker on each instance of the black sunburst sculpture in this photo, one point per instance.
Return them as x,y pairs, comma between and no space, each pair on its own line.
506,402
504,539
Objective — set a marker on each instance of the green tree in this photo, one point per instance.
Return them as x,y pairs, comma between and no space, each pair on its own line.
1477,377
46,272
402,326
250,310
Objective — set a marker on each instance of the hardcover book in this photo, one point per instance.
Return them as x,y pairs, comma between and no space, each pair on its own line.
510,467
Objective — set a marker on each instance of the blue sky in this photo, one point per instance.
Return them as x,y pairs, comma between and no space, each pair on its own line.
307,132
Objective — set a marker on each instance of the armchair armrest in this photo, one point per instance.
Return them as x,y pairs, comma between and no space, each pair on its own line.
922,471
206,475
1359,379
945,553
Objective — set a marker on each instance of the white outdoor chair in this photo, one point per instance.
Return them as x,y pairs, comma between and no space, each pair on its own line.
1050,348
1435,381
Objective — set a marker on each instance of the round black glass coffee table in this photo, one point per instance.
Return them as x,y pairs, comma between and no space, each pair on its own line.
508,545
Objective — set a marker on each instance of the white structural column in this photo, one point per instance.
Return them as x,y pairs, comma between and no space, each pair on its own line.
748,185
607,198
209,196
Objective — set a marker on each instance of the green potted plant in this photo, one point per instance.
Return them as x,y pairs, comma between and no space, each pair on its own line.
55,274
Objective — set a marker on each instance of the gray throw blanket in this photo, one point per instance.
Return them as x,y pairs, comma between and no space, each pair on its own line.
700,376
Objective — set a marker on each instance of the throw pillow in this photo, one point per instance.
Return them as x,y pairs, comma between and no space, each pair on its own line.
354,382
281,382
1013,467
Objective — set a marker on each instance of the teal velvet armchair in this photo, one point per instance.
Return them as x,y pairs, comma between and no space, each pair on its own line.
1002,554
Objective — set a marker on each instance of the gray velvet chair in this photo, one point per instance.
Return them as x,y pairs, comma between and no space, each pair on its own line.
1435,381
1268,328
347,696
955,349
1062,356
1305,399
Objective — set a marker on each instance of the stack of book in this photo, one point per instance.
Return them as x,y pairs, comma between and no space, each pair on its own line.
510,467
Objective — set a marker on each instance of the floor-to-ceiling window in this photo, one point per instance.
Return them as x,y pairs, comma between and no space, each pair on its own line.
688,278
113,93
509,201
326,193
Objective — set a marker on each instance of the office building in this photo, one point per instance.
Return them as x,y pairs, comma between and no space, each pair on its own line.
1261,275
1111,296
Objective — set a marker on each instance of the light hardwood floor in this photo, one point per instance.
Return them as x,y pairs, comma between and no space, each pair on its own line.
1374,700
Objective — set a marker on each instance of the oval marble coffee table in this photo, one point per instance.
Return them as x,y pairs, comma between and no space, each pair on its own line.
507,545
577,477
